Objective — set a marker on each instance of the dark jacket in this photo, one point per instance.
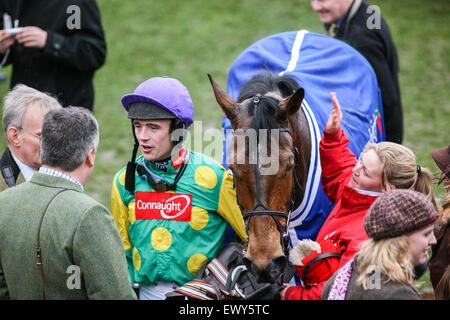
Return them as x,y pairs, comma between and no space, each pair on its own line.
377,46
385,291
65,66
440,258
10,174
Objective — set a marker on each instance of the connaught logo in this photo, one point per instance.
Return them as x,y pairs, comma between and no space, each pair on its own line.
161,205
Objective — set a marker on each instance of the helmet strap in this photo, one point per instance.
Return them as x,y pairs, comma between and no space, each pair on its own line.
131,166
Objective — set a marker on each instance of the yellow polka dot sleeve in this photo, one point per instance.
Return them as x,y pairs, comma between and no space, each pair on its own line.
228,207
120,211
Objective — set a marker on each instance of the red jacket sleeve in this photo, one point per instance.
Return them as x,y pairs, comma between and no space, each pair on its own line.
337,163
301,293
315,292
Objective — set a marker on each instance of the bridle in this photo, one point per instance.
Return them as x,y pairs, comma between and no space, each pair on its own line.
282,228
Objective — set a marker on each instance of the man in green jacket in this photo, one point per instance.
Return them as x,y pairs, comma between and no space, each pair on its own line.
57,242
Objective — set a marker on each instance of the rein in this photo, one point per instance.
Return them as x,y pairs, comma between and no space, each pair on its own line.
282,228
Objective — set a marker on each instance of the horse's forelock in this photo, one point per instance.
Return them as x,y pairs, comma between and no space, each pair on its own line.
265,114
273,88
266,82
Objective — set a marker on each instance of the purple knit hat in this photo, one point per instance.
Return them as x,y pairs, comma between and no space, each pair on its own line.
398,212
168,93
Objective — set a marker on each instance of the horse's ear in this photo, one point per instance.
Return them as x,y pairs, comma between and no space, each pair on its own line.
291,104
226,102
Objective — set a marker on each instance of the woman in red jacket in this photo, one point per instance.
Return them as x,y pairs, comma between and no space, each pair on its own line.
353,185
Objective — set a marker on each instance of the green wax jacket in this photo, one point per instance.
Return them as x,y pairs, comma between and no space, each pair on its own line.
82,254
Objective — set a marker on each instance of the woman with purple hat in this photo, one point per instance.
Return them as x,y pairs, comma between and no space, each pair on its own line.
172,206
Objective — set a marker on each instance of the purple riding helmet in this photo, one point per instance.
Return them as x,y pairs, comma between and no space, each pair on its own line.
168,94
156,98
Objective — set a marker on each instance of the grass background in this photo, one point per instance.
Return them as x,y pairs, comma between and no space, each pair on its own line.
188,39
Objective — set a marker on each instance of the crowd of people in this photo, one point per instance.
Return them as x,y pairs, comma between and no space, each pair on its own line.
170,207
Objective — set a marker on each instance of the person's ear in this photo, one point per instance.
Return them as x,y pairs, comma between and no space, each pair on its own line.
90,159
13,135
388,187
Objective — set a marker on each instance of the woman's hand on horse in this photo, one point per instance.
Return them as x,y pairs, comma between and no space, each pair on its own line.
334,121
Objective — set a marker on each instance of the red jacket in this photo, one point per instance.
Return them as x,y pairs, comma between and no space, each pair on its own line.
346,221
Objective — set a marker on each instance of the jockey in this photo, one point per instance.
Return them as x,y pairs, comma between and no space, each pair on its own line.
171,205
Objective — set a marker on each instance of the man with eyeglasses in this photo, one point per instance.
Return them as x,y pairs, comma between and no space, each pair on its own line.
172,206
23,112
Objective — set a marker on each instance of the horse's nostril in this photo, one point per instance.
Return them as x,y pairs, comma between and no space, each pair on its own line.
275,269
280,262
271,273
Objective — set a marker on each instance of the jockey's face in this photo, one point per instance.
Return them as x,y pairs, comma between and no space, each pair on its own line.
330,11
367,172
154,138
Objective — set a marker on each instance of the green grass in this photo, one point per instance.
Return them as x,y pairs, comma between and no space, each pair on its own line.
188,39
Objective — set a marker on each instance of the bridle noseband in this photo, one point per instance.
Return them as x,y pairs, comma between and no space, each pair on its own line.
282,228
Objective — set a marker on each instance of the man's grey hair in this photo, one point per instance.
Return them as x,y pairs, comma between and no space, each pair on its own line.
15,104
67,136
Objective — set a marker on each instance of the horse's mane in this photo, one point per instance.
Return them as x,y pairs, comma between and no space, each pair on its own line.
267,114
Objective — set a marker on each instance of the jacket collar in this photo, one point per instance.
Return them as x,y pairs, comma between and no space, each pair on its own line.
355,201
54,182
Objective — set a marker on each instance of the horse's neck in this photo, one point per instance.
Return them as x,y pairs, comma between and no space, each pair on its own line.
301,137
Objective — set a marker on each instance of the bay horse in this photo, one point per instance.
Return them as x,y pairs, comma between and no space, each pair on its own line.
267,102
281,84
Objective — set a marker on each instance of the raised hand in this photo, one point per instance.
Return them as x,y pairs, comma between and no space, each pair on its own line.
334,121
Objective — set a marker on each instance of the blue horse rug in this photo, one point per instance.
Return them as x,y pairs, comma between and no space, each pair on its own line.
320,64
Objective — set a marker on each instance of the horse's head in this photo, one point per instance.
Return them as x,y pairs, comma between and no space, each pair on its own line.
262,157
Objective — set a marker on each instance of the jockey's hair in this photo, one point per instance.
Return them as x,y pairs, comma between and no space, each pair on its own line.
15,104
399,169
